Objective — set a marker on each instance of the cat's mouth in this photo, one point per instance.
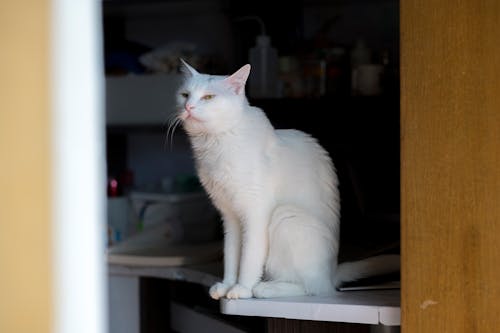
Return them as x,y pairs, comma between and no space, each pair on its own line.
191,117
187,116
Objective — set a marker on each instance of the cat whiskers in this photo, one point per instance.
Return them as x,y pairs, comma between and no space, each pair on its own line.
173,122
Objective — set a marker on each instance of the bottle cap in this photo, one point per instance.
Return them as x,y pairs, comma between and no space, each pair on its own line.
263,40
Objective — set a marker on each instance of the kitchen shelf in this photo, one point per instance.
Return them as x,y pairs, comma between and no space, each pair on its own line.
364,307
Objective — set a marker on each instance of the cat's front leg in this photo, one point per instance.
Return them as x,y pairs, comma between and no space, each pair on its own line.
232,246
253,255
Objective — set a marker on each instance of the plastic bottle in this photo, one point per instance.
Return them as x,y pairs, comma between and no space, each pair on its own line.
360,54
263,80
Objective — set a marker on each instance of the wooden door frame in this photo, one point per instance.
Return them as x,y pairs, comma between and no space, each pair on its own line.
450,165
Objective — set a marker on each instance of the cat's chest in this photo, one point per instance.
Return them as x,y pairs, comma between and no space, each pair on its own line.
218,172
225,174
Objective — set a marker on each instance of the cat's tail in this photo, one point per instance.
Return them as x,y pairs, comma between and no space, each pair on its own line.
372,266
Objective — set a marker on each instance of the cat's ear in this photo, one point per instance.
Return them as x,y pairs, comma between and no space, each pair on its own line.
188,70
236,82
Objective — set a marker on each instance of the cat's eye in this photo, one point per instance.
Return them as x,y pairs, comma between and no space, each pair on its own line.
185,94
208,97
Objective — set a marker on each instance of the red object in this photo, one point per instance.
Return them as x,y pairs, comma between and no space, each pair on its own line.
113,188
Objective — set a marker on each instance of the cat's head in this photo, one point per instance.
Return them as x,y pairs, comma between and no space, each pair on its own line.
211,104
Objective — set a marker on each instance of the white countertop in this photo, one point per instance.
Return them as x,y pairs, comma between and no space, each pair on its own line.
364,307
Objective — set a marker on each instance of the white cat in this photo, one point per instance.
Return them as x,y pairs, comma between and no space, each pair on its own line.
275,189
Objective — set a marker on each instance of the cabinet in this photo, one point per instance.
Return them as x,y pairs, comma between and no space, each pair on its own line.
450,166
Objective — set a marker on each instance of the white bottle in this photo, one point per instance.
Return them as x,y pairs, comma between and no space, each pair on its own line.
360,54
360,59
263,80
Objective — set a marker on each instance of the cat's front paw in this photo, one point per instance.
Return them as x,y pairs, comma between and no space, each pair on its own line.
219,290
239,291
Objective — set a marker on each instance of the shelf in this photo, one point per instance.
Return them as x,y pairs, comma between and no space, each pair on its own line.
364,307
140,100
203,274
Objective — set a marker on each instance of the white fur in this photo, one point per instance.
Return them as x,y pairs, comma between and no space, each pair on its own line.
276,190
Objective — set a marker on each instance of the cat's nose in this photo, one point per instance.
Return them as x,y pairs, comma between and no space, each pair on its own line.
189,107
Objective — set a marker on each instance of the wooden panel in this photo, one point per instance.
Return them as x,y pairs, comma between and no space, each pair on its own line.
450,127
25,281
